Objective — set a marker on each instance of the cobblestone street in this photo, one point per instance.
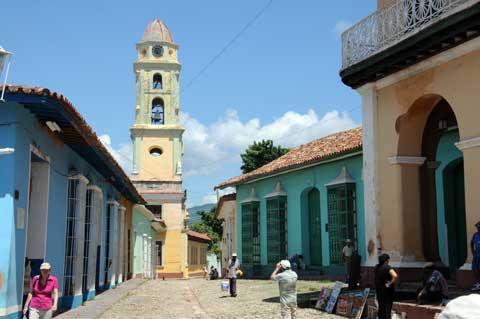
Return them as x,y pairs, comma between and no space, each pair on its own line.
201,299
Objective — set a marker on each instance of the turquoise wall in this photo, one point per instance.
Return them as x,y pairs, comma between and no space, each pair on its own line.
446,153
141,225
19,129
296,184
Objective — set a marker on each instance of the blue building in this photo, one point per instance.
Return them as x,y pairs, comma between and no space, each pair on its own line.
306,202
59,197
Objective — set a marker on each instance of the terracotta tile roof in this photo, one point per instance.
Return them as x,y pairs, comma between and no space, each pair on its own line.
223,199
316,151
195,236
77,131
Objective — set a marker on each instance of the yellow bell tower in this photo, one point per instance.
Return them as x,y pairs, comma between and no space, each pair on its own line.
158,146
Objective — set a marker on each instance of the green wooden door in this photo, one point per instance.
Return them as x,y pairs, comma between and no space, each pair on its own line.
315,227
454,195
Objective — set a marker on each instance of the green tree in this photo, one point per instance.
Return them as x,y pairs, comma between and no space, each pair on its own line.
259,154
211,226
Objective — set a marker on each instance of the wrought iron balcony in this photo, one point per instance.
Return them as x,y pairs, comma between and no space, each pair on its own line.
393,24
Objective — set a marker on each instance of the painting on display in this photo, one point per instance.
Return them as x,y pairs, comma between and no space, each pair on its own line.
334,296
323,298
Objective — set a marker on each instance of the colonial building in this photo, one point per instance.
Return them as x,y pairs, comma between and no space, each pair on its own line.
307,202
416,65
157,144
227,210
63,199
146,253
197,253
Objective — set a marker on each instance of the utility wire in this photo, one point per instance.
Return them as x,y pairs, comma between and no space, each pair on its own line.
228,45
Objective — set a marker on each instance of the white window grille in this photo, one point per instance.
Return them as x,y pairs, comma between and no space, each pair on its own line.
71,240
108,239
89,212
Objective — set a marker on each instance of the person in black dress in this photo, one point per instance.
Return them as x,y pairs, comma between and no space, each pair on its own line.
385,277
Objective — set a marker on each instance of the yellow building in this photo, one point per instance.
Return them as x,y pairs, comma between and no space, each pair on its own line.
416,66
157,144
197,253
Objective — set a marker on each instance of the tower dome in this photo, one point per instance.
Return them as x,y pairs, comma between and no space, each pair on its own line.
157,31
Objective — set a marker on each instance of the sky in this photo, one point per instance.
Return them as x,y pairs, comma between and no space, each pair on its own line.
277,80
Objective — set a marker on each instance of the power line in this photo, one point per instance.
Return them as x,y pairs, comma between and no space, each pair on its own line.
228,45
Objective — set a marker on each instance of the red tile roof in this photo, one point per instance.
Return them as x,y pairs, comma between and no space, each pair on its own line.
195,235
316,151
83,134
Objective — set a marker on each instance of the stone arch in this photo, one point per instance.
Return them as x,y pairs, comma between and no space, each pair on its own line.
419,132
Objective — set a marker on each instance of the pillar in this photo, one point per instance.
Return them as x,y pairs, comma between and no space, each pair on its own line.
471,157
369,124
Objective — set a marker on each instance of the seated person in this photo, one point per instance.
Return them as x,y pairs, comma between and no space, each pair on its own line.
435,287
297,261
213,273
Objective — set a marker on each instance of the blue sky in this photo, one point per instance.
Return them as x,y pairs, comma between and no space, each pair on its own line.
278,80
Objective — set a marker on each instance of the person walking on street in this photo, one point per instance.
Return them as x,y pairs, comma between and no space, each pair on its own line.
287,284
475,248
43,289
233,266
347,252
385,277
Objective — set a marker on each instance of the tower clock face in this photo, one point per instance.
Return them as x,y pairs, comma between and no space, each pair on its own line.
157,51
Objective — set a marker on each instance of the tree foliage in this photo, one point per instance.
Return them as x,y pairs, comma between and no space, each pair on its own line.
212,226
259,154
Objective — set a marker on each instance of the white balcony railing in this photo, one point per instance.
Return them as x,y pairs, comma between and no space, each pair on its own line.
392,24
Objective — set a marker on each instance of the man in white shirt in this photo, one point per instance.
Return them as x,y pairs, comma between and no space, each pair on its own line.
287,284
347,252
233,266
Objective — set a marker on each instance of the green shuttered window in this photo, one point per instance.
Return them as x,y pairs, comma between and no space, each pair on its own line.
251,233
276,229
342,219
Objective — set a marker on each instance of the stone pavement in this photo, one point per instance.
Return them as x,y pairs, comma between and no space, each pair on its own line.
202,299
101,303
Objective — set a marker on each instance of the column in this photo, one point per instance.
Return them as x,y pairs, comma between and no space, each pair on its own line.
369,124
471,157
95,231
113,251
149,252
80,234
121,244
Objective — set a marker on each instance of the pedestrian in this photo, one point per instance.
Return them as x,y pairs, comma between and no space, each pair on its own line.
434,286
475,248
233,266
205,272
347,252
42,289
287,284
385,277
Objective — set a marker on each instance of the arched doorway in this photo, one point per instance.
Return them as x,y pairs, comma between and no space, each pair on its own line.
423,130
455,218
315,227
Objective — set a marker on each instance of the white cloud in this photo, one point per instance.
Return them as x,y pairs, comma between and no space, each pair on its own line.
341,26
207,147
123,154
211,198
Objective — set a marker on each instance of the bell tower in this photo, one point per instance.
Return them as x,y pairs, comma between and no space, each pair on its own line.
158,146
157,134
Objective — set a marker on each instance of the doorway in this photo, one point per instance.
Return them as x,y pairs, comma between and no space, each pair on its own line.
315,227
455,217
37,214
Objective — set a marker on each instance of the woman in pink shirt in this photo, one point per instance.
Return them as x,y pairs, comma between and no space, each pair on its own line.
40,296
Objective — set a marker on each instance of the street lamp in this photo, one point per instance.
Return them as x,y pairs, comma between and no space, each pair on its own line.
3,58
